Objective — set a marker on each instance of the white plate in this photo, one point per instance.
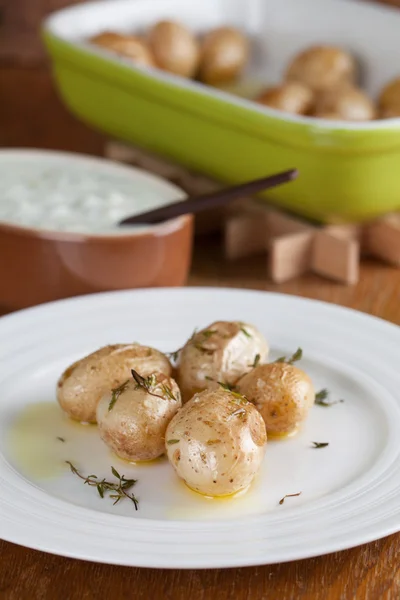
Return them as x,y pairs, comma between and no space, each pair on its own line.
350,489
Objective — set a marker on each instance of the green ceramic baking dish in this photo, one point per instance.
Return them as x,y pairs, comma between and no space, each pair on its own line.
347,171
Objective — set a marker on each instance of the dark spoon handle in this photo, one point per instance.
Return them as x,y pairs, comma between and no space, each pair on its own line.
212,200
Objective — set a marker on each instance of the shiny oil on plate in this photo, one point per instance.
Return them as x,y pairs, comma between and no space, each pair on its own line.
349,489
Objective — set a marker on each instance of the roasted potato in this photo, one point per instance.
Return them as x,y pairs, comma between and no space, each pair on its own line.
224,54
83,384
216,443
128,46
132,419
291,97
322,68
174,48
282,393
222,352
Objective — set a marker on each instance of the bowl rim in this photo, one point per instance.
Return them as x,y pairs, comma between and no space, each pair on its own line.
151,231
153,73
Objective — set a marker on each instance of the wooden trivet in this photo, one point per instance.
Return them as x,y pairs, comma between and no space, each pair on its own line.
292,245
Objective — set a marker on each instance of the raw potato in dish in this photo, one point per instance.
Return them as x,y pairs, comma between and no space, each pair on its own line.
174,48
129,46
292,97
224,53
222,352
85,382
389,99
132,419
322,68
346,103
282,393
216,443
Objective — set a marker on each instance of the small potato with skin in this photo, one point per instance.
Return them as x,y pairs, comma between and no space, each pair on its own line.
222,352
216,443
291,97
132,421
128,46
174,48
322,68
347,102
224,54
83,384
389,100
282,393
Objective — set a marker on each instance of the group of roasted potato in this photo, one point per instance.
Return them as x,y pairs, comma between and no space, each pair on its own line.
218,57
210,413
321,81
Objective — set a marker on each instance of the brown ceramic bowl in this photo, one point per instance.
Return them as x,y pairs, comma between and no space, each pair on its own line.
39,265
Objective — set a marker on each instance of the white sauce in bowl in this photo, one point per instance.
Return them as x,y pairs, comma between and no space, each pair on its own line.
76,194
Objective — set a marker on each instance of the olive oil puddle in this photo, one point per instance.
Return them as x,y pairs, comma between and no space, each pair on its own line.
42,438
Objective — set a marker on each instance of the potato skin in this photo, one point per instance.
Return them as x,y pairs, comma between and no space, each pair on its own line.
282,393
83,384
216,443
224,53
174,48
348,103
128,46
291,97
389,100
135,426
222,352
322,67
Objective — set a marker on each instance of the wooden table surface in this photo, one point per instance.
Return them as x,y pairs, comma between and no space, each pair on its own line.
31,115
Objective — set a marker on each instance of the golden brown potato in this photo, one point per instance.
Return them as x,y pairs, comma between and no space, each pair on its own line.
282,393
389,100
224,54
216,443
133,418
322,68
84,383
174,48
348,103
292,97
125,45
222,352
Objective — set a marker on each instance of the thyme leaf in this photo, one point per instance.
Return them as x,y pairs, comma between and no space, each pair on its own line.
321,398
60,439
320,444
175,355
170,442
256,361
115,394
246,333
282,500
298,355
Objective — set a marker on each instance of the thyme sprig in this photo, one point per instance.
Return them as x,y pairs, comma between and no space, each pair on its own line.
117,490
321,399
150,384
298,355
